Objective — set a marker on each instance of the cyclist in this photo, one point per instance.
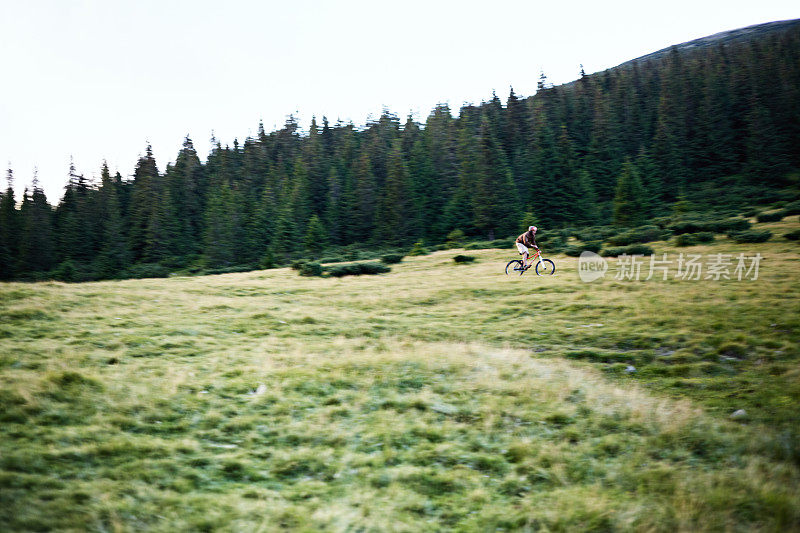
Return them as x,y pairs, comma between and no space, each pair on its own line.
524,241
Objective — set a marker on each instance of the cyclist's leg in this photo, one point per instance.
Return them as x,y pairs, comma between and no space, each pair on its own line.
523,250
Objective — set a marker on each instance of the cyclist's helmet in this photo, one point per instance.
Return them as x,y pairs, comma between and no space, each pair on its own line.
532,228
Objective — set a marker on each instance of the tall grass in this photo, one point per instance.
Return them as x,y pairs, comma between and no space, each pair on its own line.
439,396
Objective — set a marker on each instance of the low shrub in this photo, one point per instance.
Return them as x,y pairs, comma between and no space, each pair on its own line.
146,270
66,271
639,235
698,225
793,236
298,264
748,213
595,233
502,243
750,236
633,249
391,259
775,216
333,259
455,238
229,269
792,208
464,259
311,269
418,249
691,239
704,236
357,269
578,249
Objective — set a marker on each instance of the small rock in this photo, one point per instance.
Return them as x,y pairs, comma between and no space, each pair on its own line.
739,413
260,390
630,369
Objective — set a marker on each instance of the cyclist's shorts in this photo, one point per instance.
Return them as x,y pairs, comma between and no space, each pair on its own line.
522,248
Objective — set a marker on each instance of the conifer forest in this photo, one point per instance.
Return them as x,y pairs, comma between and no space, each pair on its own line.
716,127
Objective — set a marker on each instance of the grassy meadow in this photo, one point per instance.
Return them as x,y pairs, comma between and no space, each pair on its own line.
438,397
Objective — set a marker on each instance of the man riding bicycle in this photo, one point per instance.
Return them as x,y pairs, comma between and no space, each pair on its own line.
524,241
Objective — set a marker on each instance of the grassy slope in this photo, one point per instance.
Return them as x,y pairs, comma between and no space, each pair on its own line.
438,396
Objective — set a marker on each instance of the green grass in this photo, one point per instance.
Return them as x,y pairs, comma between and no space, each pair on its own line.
435,397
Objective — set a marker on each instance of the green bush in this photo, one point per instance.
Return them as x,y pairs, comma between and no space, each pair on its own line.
418,249
793,236
146,270
298,264
633,249
333,259
595,233
66,271
391,259
464,259
577,250
229,269
690,239
704,236
455,238
750,236
639,235
357,269
697,225
792,208
311,269
268,261
748,213
502,243
775,216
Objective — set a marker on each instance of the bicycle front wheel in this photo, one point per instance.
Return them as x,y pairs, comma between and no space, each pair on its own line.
545,267
514,267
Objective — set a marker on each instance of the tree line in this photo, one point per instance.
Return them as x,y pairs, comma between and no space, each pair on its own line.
616,146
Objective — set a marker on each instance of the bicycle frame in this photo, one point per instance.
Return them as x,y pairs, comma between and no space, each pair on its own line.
535,258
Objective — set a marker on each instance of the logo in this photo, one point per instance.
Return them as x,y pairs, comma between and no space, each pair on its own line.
591,266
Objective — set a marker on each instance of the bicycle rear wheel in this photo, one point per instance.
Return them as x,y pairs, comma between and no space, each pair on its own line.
545,267
514,266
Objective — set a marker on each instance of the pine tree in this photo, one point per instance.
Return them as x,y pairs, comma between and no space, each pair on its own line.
37,251
586,211
145,198
629,206
495,204
316,236
365,199
186,184
77,221
10,235
223,227
392,222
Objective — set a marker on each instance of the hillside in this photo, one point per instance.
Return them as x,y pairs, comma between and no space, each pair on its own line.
716,126
437,396
758,33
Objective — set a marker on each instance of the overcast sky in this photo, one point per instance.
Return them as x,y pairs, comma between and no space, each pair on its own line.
100,79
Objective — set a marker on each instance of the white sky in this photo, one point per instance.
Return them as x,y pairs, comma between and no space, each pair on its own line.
99,79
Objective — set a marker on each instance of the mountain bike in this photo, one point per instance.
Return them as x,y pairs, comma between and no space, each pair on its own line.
543,266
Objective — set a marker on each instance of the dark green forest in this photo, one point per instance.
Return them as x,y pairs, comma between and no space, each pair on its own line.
715,127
